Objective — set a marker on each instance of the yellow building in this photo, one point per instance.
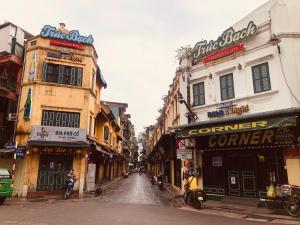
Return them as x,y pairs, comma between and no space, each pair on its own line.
59,101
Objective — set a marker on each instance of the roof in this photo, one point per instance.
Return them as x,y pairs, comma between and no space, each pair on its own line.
100,77
5,24
279,112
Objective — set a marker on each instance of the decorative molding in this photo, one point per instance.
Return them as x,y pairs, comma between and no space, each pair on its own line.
260,59
225,71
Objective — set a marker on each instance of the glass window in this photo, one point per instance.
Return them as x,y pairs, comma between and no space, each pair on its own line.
198,94
62,74
60,119
261,78
227,87
106,133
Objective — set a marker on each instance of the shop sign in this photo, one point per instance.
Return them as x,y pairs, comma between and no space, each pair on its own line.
59,55
228,110
224,52
62,134
278,136
239,127
229,38
55,150
9,145
217,161
73,36
66,44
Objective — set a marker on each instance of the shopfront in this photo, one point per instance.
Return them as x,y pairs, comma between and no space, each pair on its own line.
240,157
52,153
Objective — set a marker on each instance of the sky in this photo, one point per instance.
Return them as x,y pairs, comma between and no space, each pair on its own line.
136,40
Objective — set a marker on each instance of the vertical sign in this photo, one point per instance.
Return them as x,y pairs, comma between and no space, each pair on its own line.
27,106
33,67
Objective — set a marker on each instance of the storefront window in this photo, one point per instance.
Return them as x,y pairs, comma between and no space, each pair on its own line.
227,87
261,78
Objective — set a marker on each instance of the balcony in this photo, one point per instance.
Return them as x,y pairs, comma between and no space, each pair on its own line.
6,133
7,85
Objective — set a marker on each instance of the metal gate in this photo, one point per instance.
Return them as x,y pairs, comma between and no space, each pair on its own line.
53,171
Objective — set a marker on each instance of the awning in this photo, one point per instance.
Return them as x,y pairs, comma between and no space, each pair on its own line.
59,144
98,148
259,121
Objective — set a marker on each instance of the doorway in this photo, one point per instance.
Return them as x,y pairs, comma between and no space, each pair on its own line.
53,171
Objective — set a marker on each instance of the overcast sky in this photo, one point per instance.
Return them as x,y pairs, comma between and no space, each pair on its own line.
136,40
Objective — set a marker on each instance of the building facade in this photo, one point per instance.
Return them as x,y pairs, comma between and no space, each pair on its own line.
60,99
12,40
244,90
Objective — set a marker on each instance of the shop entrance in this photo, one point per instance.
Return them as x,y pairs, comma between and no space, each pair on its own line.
53,171
244,173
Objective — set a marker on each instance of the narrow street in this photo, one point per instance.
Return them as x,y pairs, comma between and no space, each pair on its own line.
128,201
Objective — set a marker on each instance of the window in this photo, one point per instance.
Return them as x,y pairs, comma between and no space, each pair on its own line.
61,74
92,82
91,125
261,78
33,43
106,133
60,119
198,94
227,87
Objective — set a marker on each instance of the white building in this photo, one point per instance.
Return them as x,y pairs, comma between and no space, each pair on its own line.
242,87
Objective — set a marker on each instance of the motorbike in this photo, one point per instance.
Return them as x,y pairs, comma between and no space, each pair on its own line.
195,198
140,172
153,180
69,188
125,174
160,182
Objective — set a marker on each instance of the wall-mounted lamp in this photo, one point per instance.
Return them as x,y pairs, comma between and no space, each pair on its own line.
239,66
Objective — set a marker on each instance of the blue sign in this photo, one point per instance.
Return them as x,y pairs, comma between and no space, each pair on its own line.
20,152
73,36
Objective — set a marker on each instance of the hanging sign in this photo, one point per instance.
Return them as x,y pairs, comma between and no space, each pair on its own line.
33,67
28,103
182,151
229,41
73,36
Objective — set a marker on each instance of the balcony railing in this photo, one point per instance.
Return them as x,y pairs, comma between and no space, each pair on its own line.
7,84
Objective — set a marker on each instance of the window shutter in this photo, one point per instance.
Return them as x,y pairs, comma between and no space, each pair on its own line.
73,76
61,74
79,76
44,74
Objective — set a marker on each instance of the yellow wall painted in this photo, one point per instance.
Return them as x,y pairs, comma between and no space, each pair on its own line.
293,170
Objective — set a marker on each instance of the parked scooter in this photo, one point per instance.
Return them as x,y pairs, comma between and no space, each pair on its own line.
125,174
160,182
69,187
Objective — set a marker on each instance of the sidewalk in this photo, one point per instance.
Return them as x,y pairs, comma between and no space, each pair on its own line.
51,198
244,208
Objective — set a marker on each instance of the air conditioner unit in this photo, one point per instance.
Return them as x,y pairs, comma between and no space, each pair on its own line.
12,117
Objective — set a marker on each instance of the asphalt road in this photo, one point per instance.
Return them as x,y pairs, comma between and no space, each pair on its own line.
132,201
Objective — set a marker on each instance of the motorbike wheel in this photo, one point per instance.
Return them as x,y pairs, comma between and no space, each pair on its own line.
2,199
67,194
293,208
197,204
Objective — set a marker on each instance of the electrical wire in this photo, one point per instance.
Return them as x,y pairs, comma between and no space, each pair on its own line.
285,76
